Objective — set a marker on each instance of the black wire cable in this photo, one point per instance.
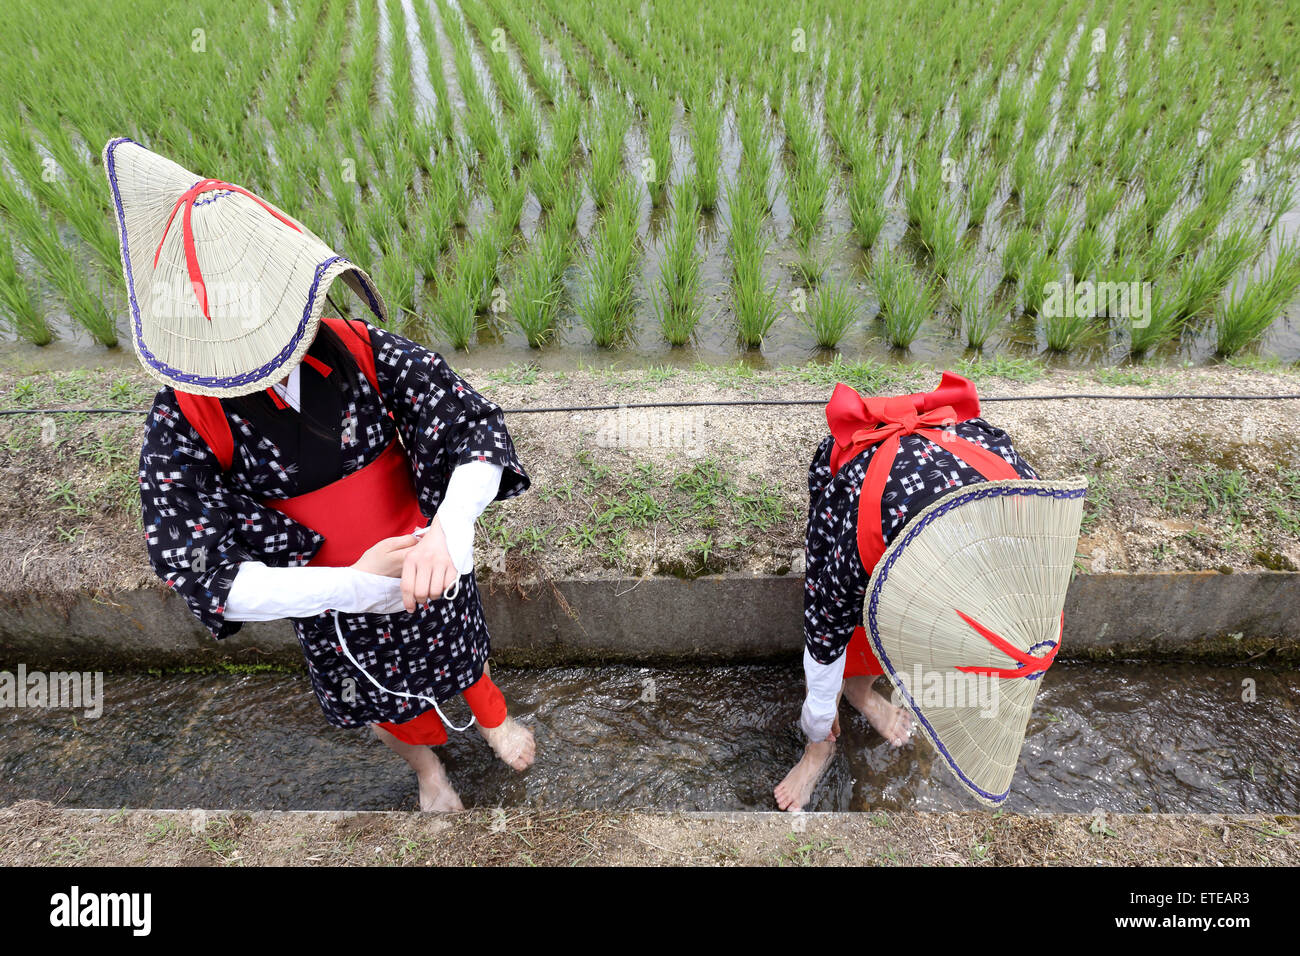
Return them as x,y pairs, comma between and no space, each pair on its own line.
742,402
822,401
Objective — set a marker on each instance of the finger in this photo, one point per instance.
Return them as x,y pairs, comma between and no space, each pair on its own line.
424,581
438,583
408,583
449,578
401,542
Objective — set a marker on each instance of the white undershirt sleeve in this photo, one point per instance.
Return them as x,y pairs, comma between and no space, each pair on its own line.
822,697
262,593
472,487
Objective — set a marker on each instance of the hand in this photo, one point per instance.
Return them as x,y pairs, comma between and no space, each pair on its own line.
386,556
835,729
428,570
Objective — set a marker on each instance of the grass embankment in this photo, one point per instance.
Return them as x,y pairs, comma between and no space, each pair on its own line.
38,834
691,491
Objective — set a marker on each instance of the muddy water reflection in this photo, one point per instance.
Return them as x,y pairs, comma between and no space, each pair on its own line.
1125,738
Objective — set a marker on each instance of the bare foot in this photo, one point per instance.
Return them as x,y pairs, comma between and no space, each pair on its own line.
512,742
892,723
436,793
797,787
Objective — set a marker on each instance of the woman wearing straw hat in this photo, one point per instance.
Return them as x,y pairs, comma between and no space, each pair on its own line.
310,468
973,590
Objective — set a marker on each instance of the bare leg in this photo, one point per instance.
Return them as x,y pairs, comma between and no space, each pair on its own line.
436,793
510,740
892,723
797,787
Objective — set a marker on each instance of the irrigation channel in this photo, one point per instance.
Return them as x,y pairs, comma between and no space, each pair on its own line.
1125,737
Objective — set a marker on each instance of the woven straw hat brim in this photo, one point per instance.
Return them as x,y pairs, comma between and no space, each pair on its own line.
266,281
1001,552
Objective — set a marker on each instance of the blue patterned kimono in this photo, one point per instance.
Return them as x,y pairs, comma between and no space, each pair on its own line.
192,508
835,582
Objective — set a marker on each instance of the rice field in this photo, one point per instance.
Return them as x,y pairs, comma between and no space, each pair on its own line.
1086,180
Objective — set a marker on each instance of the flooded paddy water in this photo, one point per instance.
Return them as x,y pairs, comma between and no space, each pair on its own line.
501,346
402,93
1125,738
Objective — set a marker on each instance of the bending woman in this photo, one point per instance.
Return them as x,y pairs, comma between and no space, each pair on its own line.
321,470
939,444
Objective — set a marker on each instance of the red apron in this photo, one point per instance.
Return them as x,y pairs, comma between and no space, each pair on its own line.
373,503
858,423
353,513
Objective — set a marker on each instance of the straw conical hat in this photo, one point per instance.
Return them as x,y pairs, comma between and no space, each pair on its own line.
226,290
991,559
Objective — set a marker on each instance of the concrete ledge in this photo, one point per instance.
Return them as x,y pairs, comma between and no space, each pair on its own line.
1203,615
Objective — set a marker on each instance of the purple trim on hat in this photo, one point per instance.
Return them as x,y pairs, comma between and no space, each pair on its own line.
189,378
370,297
955,499
1038,675
213,197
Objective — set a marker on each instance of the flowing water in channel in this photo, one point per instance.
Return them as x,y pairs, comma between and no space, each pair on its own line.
1130,737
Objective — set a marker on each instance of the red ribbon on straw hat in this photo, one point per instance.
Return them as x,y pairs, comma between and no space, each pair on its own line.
191,253
1029,664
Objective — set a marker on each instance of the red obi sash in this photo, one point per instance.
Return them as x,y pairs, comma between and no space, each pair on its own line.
355,512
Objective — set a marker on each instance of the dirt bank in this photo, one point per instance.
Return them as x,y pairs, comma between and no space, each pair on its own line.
1176,485
36,834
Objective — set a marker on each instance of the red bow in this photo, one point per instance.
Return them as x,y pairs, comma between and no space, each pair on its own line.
191,254
858,423
1030,664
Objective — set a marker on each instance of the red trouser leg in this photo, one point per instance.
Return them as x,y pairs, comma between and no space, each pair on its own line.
425,730
486,702
859,658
